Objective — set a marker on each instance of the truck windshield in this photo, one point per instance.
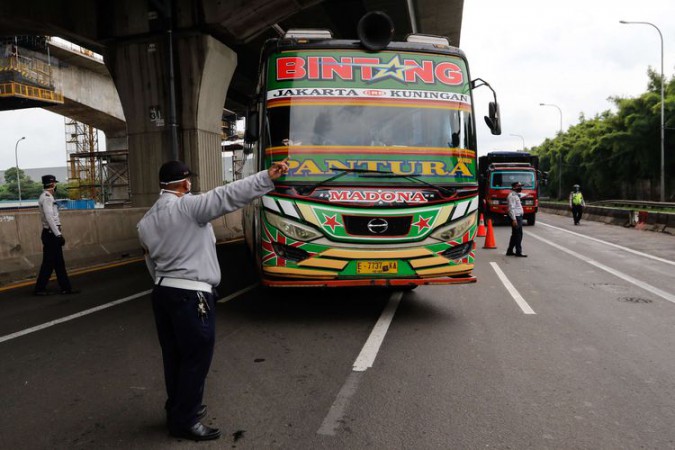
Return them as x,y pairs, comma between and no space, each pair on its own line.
406,124
504,180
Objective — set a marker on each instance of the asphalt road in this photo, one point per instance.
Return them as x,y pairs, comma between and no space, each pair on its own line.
577,352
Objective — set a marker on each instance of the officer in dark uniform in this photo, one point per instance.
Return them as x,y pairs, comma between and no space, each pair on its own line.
180,253
52,241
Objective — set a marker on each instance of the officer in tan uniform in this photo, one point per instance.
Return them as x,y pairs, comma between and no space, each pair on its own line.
179,244
52,242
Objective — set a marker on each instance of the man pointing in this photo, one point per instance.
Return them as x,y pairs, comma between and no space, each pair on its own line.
180,253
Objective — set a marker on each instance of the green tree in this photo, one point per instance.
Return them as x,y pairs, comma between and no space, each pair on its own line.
29,188
615,155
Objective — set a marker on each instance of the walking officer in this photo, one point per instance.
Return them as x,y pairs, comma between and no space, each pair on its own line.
180,253
577,203
52,241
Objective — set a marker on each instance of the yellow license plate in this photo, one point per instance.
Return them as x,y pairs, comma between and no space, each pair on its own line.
371,267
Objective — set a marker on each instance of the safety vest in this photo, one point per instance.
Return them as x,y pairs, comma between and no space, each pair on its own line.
577,198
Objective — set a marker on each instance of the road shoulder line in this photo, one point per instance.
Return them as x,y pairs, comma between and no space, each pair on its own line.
641,284
626,249
72,316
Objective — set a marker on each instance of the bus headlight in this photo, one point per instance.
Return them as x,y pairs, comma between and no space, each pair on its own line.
455,229
292,229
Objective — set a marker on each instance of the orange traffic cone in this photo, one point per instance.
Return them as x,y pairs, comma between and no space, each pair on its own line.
481,227
490,238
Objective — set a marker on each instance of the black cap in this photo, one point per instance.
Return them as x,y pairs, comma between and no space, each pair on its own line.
516,184
48,179
173,171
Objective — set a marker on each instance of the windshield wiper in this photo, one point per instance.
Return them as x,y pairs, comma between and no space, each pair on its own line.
343,172
449,192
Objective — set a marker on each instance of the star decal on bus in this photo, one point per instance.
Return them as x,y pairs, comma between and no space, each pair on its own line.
269,255
392,69
422,223
331,221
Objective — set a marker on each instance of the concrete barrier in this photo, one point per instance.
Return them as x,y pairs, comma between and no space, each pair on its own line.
641,220
92,237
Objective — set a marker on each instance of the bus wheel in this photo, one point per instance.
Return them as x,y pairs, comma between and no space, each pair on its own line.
531,219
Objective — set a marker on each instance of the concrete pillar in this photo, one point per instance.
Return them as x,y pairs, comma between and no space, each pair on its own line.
203,70
118,167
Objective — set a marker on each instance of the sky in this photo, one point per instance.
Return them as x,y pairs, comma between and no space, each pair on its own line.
574,54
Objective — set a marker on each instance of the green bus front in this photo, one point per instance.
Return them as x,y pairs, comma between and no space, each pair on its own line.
382,187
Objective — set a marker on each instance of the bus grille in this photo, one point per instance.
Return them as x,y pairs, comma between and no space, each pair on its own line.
377,225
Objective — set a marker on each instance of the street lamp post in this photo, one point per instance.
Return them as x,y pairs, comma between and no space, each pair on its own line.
16,160
663,123
517,135
559,154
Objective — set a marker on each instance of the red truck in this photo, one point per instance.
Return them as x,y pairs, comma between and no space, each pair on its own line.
497,171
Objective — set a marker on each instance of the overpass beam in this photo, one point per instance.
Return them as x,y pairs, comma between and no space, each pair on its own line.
203,70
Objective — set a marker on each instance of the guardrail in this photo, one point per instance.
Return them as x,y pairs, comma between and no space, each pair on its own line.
637,204
632,217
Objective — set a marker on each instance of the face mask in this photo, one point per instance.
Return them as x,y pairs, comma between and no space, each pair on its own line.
519,189
189,188
55,189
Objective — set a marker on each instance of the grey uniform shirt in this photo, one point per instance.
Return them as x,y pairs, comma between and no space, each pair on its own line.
178,236
49,213
515,208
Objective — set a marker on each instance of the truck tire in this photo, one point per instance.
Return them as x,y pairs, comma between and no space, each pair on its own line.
531,219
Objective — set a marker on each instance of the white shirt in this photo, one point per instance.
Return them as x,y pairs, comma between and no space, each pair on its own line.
515,207
178,237
49,213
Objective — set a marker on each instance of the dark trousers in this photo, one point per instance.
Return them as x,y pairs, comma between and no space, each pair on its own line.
187,341
52,260
516,236
577,210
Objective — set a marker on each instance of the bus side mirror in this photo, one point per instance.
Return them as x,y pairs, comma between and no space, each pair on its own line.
251,134
492,119
544,178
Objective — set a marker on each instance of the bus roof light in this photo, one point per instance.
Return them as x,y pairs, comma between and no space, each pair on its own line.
428,39
311,34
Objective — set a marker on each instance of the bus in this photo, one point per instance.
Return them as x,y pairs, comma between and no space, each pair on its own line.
380,138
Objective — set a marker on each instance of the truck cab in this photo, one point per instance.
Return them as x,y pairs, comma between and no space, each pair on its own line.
498,171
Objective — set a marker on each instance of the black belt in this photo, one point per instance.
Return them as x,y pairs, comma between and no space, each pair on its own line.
49,230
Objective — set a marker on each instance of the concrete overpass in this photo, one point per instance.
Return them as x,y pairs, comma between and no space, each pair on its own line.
177,60
89,94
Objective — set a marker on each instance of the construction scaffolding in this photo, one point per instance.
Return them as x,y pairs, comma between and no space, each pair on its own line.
232,147
26,74
92,174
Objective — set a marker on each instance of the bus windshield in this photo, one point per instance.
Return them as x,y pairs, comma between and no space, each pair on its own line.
368,126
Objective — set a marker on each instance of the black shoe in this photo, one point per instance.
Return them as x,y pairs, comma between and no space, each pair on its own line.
70,291
197,432
520,255
42,293
201,413
510,254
